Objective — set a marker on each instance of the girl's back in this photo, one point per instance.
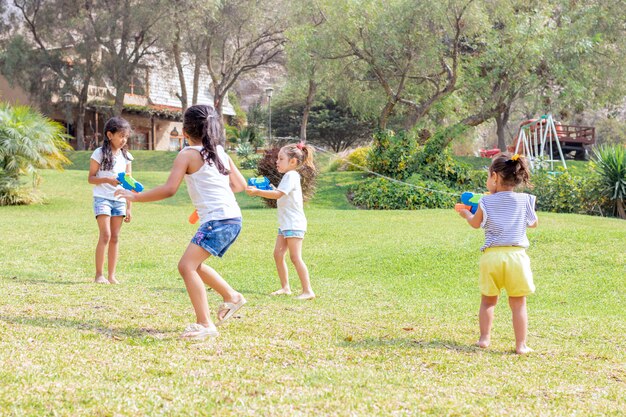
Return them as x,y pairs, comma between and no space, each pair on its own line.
506,214
210,191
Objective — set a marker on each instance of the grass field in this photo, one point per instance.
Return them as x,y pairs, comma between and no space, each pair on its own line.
391,332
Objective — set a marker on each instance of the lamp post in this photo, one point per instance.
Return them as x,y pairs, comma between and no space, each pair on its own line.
67,104
269,91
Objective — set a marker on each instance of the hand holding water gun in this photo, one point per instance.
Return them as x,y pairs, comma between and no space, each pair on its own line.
262,183
469,201
129,183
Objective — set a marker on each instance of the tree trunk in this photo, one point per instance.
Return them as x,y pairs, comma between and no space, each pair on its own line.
196,79
179,67
307,109
501,121
384,115
118,106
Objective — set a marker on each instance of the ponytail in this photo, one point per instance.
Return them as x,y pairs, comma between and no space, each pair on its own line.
202,122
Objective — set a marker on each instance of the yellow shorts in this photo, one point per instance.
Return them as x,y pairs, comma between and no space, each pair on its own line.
505,267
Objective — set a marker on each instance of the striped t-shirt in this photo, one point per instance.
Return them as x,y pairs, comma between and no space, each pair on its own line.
506,214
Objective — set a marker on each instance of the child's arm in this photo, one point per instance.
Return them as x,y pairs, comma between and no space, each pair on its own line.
271,194
473,220
237,181
129,215
179,169
94,167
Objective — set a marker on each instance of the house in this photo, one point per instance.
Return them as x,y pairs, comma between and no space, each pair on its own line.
151,105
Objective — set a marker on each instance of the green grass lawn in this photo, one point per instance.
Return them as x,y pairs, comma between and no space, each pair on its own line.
391,332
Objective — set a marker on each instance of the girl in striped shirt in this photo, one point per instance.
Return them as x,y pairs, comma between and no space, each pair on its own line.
504,215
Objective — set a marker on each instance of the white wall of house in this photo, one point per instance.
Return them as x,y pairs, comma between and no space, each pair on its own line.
164,85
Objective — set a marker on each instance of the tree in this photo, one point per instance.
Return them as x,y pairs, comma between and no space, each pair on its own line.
28,142
407,53
67,50
126,30
547,57
331,124
242,35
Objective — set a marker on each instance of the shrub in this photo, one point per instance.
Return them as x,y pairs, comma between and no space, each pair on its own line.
563,192
392,154
28,142
382,194
610,165
358,157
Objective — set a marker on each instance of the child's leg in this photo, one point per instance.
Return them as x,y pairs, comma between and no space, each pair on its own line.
280,249
485,319
520,323
187,267
214,280
104,226
295,254
116,226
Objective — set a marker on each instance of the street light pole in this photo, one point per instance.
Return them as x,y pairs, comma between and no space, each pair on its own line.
269,91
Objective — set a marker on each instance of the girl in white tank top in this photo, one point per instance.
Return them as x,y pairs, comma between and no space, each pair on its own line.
212,179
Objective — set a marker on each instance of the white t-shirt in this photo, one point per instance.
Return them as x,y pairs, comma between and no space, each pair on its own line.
210,191
290,205
119,165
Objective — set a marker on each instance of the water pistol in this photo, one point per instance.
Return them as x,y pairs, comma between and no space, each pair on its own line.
469,201
129,183
262,183
193,219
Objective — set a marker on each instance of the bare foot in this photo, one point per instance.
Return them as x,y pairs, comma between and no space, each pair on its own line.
523,350
101,280
483,343
112,280
282,291
306,296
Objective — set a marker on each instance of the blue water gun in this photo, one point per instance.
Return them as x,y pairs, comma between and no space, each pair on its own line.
129,183
262,183
469,201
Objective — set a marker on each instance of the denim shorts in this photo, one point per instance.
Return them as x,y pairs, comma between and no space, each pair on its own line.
291,233
216,236
108,207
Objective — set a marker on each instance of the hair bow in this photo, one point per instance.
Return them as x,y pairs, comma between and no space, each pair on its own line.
300,145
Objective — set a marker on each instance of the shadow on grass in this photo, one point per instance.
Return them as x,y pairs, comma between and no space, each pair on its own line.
423,344
42,281
134,334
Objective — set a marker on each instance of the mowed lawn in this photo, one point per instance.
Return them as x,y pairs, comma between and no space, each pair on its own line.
392,331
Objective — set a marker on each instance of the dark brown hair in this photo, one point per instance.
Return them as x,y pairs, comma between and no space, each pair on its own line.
113,125
513,169
202,122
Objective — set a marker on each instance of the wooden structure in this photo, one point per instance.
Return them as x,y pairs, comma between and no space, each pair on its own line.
544,141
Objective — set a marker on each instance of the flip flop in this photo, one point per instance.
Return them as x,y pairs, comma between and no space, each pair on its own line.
231,309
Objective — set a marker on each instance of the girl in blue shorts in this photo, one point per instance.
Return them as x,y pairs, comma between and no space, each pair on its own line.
212,179
504,215
105,164
291,220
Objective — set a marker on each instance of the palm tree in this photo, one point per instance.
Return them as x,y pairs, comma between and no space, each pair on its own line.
28,141
611,166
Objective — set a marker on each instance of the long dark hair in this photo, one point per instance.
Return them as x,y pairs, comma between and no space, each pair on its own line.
513,169
203,122
113,125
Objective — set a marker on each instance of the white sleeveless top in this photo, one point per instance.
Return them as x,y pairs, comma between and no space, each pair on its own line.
210,191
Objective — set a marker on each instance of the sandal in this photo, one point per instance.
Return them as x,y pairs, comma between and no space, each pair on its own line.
197,331
230,308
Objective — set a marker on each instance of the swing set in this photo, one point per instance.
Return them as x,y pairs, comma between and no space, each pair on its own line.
546,142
